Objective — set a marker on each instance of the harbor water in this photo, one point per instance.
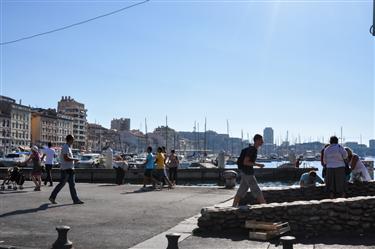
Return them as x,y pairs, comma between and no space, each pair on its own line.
275,164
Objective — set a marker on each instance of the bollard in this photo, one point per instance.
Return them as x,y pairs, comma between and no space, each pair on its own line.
62,241
173,240
230,177
287,242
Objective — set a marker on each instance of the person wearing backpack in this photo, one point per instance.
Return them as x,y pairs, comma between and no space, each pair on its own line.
245,163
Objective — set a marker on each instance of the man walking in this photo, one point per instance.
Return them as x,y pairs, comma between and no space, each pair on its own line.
49,153
245,163
67,172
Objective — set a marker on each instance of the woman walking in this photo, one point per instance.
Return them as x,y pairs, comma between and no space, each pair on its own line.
36,172
173,164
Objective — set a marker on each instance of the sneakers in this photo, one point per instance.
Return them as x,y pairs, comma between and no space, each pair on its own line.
78,202
52,200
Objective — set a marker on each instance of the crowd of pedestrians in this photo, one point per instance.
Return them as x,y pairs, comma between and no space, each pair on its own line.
340,165
161,169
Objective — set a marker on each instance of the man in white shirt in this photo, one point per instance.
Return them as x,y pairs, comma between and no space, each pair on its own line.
49,154
67,172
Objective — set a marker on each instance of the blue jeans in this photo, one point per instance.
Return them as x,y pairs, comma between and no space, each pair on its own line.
66,175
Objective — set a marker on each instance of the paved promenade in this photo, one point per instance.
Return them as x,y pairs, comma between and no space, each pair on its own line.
124,217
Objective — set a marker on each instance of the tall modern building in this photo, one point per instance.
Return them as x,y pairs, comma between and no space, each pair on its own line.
268,135
70,107
372,144
122,124
268,146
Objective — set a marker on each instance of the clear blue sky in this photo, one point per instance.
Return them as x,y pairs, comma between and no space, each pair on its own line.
302,66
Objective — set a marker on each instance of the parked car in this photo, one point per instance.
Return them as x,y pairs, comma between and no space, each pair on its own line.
12,159
88,161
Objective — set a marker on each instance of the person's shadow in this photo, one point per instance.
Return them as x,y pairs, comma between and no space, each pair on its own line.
42,207
138,191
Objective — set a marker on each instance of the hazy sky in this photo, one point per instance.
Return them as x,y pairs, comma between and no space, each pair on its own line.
306,67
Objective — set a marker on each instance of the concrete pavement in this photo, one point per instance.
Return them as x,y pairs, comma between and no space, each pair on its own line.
112,216
125,217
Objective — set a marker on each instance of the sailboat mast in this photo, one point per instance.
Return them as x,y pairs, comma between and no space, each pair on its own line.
166,133
205,135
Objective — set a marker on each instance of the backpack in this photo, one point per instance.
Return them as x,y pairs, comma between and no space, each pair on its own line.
241,158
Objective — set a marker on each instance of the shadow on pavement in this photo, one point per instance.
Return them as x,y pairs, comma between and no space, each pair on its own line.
138,191
42,207
351,239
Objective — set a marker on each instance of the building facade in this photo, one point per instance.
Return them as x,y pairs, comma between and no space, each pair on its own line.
18,134
268,146
64,127
268,135
372,144
99,137
49,126
70,107
5,131
122,124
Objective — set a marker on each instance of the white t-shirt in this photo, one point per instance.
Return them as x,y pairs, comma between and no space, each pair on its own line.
66,164
360,170
50,154
334,156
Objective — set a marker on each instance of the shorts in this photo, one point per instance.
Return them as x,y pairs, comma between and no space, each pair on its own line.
148,172
248,181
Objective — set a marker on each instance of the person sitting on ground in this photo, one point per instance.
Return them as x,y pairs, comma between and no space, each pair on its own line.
359,170
309,179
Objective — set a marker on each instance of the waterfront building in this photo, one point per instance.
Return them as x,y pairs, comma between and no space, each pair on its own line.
122,124
49,126
372,144
268,135
98,137
70,107
5,138
135,141
18,134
